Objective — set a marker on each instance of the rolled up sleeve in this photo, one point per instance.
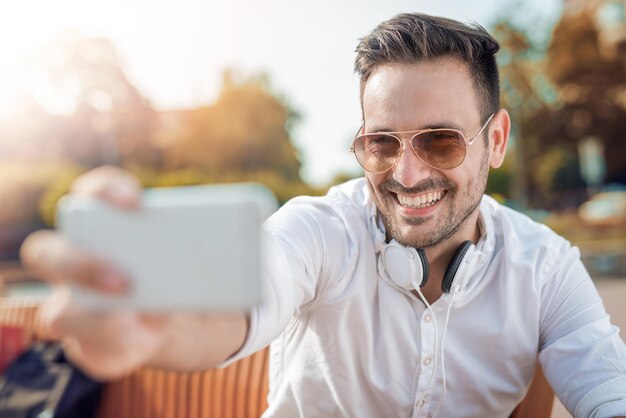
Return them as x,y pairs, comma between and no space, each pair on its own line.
581,353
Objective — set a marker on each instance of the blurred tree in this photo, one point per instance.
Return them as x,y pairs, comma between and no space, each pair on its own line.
246,130
77,110
21,205
80,110
63,173
500,181
592,89
524,93
560,89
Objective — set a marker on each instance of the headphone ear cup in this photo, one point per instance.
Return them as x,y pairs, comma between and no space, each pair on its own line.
405,266
424,262
453,266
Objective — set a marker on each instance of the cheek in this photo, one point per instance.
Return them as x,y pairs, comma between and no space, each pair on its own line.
472,166
475,170
374,181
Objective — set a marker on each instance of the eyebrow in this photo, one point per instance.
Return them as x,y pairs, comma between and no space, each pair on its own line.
437,125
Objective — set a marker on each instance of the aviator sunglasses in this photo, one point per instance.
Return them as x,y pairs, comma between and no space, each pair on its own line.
440,148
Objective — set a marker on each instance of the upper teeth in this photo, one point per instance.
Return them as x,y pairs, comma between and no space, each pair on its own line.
423,200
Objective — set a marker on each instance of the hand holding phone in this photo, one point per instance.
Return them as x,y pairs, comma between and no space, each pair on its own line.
188,248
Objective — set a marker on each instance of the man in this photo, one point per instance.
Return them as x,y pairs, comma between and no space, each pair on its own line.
406,293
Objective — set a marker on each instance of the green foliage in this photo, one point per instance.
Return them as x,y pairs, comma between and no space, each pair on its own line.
28,192
245,136
544,169
64,174
500,180
499,183
284,189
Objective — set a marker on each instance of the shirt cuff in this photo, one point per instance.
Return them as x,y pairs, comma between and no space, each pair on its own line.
606,400
248,348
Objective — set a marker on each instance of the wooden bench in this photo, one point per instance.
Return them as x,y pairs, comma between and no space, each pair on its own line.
238,391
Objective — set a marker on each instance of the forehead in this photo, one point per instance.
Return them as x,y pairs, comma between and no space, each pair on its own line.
406,96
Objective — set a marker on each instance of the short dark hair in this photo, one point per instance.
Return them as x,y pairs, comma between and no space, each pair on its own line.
415,37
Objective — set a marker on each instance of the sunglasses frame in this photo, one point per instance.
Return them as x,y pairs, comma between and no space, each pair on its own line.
410,141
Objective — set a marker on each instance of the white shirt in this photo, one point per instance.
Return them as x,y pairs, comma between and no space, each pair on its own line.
347,342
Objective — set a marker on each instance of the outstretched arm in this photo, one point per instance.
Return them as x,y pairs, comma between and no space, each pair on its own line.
113,344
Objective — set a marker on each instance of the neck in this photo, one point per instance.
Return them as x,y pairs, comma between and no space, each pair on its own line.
439,256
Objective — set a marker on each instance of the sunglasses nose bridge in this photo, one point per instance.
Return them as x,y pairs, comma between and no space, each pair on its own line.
402,149
406,142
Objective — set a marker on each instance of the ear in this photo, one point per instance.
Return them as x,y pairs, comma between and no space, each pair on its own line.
499,137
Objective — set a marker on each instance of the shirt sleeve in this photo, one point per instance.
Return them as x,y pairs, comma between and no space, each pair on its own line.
581,353
296,267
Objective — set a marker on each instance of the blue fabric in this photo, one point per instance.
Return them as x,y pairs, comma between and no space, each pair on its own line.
42,378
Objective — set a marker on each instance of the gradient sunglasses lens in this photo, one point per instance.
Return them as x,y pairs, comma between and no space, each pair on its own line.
441,148
377,153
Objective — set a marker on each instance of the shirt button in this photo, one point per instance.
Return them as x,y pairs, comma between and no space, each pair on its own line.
422,402
428,318
427,361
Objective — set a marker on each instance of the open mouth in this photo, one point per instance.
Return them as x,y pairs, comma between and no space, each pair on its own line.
421,201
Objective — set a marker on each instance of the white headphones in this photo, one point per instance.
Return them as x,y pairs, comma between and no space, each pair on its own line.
408,267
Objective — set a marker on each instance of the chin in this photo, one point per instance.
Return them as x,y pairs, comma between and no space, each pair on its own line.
409,235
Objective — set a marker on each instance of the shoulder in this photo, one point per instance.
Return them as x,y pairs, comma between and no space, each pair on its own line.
325,234
342,210
522,239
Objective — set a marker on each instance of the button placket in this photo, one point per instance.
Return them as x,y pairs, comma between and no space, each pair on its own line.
427,364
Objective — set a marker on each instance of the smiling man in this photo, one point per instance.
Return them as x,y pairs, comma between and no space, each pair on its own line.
405,293
431,183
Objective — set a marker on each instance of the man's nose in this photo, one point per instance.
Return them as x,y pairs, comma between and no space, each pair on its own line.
410,169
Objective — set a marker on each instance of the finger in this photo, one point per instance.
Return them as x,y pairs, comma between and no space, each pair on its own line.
51,257
111,184
108,345
97,366
51,309
60,317
96,362
97,328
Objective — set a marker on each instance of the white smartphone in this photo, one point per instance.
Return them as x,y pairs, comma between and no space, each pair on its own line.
185,248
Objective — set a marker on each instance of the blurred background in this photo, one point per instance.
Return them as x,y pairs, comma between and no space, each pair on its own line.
202,92
211,91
